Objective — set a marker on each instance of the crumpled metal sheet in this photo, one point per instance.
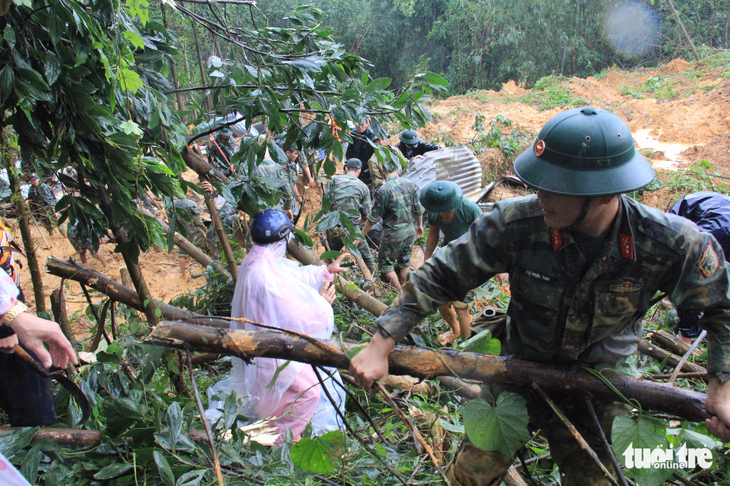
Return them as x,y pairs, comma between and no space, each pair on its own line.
455,164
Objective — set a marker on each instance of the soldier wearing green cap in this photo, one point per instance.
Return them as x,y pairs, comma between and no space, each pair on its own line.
585,262
411,146
349,194
221,149
449,213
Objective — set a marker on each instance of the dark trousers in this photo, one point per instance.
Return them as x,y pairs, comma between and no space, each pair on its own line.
25,395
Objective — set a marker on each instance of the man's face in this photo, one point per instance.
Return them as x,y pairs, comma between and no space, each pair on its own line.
225,138
362,127
34,182
560,211
293,155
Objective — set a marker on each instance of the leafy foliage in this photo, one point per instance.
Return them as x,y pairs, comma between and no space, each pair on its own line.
501,426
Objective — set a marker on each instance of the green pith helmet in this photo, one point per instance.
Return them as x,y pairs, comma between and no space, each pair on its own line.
225,132
441,196
584,152
409,137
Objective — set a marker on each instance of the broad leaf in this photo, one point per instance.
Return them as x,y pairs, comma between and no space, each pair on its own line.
112,471
501,427
168,478
319,454
641,433
482,343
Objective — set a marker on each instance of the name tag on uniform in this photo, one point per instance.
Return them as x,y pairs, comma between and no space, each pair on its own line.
538,276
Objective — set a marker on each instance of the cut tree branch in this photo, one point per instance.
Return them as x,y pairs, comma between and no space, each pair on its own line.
424,363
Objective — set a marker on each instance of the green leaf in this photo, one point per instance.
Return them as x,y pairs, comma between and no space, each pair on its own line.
697,440
378,84
168,478
482,343
9,35
29,469
501,427
434,78
15,441
332,254
191,478
7,78
129,80
640,433
174,419
129,127
134,39
53,68
112,471
329,221
319,454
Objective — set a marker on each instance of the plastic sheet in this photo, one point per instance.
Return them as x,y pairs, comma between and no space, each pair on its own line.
273,290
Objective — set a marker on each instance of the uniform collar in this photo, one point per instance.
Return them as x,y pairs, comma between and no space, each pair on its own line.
620,238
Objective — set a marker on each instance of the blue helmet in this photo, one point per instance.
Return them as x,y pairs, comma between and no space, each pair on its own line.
270,225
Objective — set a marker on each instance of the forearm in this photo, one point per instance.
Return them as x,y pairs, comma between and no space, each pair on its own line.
432,241
366,228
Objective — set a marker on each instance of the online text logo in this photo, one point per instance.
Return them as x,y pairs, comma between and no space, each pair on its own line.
683,457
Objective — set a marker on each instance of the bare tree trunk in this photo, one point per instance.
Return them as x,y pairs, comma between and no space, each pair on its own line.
208,97
120,293
222,237
58,307
24,221
681,25
423,363
135,273
173,71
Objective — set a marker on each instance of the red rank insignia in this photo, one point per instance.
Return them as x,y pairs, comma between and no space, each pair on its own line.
626,242
556,238
540,147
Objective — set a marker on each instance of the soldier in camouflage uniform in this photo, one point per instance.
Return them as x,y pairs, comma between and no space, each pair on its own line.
43,203
584,262
192,225
396,202
274,172
349,194
221,149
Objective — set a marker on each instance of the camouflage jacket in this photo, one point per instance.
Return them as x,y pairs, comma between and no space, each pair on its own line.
42,196
349,194
564,309
194,228
221,153
279,177
396,202
376,168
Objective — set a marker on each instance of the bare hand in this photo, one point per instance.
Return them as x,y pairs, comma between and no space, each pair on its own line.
328,292
419,231
289,214
33,332
207,187
7,345
335,267
718,404
371,364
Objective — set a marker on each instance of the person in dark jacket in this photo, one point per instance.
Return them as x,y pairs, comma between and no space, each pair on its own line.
710,211
411,146
361,149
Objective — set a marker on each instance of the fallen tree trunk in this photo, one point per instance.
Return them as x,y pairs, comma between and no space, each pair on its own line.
660,355
125,295
350,290
424,363
67,437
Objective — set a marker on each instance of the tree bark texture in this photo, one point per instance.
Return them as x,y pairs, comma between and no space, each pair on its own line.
24,222
58,307
660,355
222,237
66,437
424,363
135,272
118,292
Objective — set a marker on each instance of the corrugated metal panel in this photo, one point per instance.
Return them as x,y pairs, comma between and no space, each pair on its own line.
455,164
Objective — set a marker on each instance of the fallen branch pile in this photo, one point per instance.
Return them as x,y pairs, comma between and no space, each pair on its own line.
424,363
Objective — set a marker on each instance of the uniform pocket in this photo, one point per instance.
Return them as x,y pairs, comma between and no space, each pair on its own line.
615,310
537,298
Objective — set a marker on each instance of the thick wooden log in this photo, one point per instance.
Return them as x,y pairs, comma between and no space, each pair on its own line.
660,355
67,437
125,295
670,342
307,257
423,363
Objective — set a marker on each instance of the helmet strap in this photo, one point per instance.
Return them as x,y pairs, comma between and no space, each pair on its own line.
582,216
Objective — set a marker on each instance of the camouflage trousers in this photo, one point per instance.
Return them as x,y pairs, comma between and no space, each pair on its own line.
475,467
395,252
335,238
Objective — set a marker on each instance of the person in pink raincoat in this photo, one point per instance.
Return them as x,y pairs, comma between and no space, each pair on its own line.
278,292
